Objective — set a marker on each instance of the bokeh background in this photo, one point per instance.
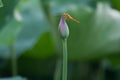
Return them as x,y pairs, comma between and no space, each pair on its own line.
29,28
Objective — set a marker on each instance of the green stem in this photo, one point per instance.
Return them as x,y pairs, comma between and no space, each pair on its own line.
64,74
57,74
13,61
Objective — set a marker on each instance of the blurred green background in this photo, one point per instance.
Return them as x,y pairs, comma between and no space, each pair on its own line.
30,28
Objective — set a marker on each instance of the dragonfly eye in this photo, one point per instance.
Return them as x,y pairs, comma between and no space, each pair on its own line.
66,15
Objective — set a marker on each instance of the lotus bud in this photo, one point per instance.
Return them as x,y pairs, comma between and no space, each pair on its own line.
63,28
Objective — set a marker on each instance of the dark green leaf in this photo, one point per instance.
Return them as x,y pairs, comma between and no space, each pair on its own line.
116,4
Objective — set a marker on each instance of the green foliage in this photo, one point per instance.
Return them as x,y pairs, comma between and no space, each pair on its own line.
116,4
66,5
14,78
7,11
9,33
34,26
43,48
1,4
36,39
97,34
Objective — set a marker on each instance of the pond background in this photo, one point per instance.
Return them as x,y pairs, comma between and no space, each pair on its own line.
30,28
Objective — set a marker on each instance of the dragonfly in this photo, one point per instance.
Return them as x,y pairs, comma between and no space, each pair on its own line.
68,16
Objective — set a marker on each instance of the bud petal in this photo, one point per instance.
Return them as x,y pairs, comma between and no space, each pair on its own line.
63,28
